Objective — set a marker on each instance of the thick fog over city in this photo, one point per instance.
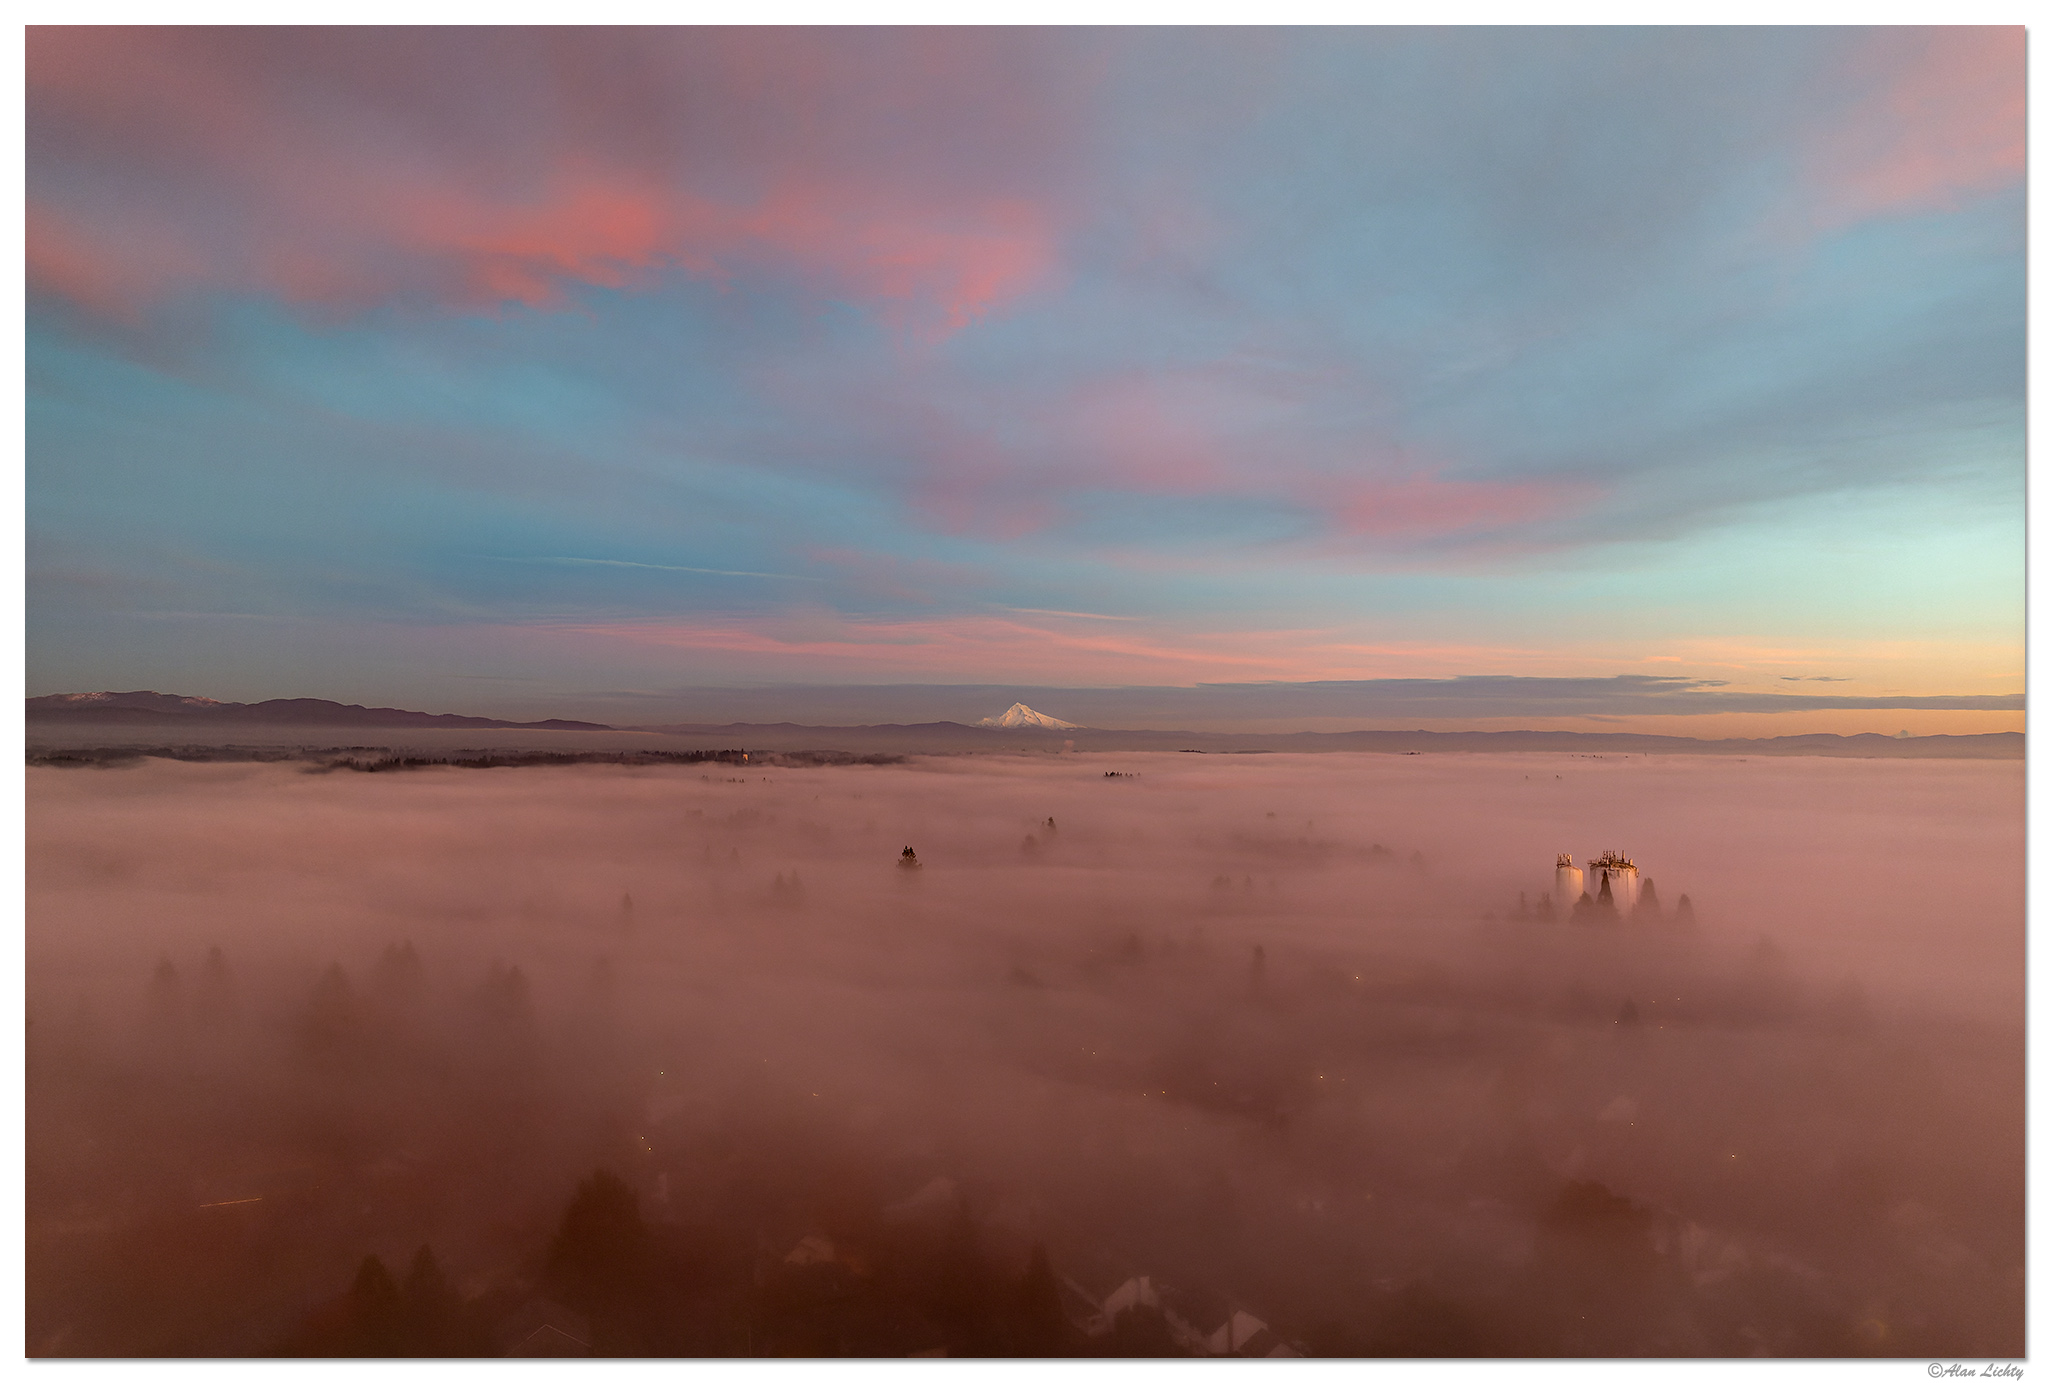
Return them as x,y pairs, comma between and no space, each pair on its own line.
1026,1054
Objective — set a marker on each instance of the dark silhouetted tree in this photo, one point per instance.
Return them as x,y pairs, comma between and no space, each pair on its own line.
1683,915
1140,1332
961,1292
373,1319
505,997
433,1320
1596,1273
1590,1215
1648,909
599,1260
1040,1328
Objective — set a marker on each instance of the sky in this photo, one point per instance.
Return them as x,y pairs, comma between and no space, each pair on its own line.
541,372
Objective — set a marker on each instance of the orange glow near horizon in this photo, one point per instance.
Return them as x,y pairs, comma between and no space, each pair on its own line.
1053,650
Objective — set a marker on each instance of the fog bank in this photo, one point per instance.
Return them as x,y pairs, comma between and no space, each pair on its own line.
1281,1034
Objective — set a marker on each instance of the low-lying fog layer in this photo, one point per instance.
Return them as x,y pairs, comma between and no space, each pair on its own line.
1279,1035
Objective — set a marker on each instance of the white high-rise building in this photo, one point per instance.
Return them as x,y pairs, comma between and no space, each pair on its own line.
1567,885
1621,875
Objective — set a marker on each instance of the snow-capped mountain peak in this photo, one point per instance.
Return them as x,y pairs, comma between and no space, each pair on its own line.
1023,717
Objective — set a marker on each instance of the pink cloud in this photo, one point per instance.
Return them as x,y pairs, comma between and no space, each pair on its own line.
108,274
1162,432
589,229
1940,116
810,645
1001,462
962,646
1423,505
1046,647
331,171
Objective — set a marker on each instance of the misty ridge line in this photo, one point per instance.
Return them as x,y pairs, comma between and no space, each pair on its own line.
383,759
85,709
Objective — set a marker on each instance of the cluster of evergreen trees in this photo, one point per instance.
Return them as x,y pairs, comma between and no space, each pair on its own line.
1591,909
376,1318
613,1285
618,1286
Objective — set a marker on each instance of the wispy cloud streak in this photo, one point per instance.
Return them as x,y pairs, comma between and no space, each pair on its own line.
659,566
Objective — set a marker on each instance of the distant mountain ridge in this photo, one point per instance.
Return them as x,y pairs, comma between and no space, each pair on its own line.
141,709
948,736
153,708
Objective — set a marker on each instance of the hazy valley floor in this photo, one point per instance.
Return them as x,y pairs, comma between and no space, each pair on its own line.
1272,1032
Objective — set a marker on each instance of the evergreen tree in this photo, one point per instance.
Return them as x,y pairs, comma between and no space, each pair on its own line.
1648,909
1596,1275
1041,1329
506,998
599,1260
372,1329
963,1301
427,1308
1140,1332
